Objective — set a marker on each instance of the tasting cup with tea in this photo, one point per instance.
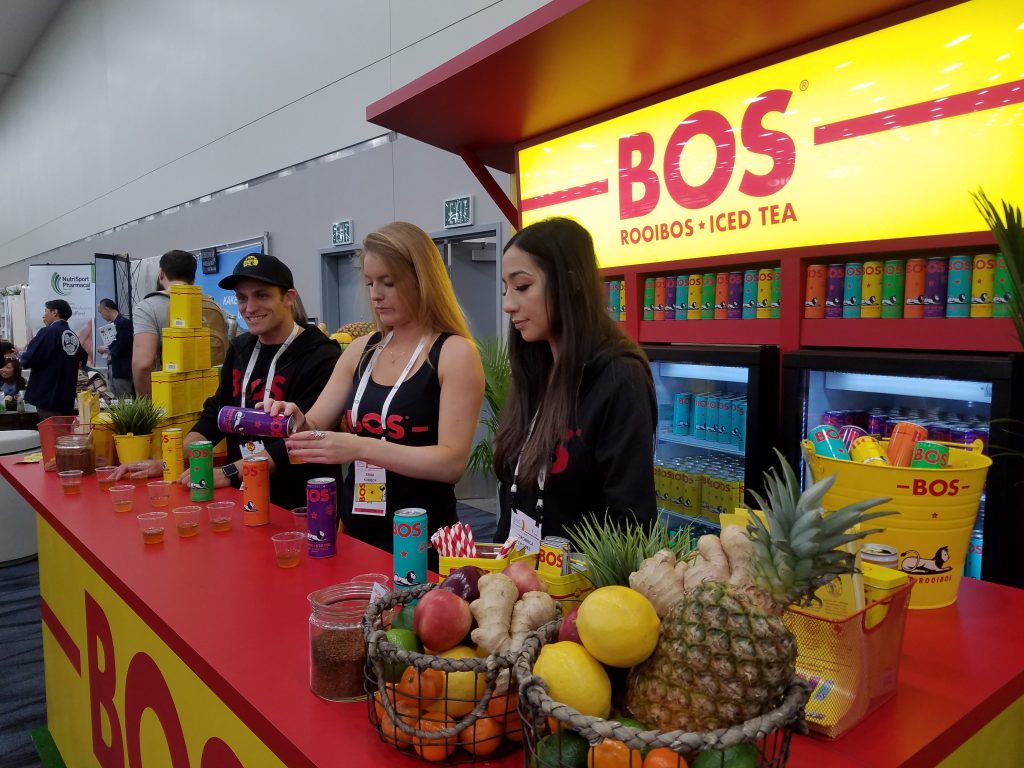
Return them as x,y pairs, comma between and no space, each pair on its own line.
152,526
186,520
159,493
71,481
123,497
288,548
105,476
220,514
299,519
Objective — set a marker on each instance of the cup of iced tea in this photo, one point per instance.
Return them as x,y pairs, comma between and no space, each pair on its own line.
105,476
122,496
186,520
159,493
152,526
220,513
288,548
71,481
299,519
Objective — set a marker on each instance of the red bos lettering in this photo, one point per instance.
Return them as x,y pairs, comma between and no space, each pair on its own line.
371,423
405,530
923,487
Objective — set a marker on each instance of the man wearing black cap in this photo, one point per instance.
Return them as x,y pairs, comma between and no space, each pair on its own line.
53,357
277,358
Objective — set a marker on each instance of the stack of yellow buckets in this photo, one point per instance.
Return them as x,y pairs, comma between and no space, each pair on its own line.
187,378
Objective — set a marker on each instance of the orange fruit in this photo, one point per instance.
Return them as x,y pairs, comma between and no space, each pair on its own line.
420,689
482,737
663,757
501,707
434,749
613,754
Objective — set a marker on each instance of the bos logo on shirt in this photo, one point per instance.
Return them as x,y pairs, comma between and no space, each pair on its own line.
255,393
370,424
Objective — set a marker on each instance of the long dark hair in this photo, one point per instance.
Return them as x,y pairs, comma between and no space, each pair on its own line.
584,334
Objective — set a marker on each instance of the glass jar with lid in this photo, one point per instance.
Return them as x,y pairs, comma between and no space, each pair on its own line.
336,650
75,452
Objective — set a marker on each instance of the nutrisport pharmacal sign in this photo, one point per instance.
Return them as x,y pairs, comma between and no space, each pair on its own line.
876,138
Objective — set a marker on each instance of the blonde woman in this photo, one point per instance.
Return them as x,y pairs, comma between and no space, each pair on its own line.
408,396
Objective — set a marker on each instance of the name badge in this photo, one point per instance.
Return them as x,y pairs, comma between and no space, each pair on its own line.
526,530
370,495
251,448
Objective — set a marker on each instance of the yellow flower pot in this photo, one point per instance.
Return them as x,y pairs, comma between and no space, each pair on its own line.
131,448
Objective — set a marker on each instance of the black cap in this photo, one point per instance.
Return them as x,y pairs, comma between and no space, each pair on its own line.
262,267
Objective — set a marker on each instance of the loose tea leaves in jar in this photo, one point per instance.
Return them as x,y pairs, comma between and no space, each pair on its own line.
336,650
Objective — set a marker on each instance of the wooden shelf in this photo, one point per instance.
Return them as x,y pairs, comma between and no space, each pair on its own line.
980,334
710,331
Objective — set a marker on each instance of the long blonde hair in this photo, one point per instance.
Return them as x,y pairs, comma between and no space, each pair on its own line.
416,266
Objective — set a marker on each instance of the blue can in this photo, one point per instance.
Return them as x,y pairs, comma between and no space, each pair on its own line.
852,289
972,568
322,517
827,443
749,294
682,403
739,422
614,298
409,546
699,415
711,418
725,419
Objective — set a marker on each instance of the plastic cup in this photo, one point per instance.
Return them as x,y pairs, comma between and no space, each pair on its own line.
105,476
220,514
159,493
370,579
186,520
288,548
299,519
71,481
123,497
152,526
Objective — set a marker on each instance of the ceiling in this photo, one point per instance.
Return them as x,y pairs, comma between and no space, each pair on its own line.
22,23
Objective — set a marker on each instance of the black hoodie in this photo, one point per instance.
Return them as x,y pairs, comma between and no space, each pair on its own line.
300,376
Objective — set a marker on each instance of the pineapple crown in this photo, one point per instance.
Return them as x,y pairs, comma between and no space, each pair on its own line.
798,547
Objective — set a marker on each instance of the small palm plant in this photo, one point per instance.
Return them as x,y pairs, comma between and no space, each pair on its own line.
1009,233
134,416
497,380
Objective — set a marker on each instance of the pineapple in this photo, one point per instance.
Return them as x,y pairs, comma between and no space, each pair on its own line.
724,654
357,329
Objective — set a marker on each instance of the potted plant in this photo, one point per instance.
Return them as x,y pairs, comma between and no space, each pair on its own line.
497,380
132,421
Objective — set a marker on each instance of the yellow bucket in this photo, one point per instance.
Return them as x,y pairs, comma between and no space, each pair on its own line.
936,512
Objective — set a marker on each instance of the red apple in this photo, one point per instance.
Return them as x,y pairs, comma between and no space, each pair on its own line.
524,574
567,629
441,620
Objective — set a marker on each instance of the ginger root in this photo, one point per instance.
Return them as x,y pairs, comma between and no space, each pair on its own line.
711,564
740,551
534,610
493,612
660,579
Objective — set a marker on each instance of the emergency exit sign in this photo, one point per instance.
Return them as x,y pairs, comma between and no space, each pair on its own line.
458,211
341,232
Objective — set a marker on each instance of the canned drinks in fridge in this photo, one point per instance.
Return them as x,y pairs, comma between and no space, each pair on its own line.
852,283
693,296
866,450
1002,289
749,311
776,305
699,415
935,287
722,296
410,539
675,488
200,470
691,489
871,289
850,432
929,455
938,431
682,403
660,482
172,453
814,295
649,298
707,296
877,421
249,421
711,418
962,434
958,286
739,422
725,404
554,555
826,442
983,279
734,307
659,298
913,288
256,490
670,297
892,288
764,294
905,434
682,296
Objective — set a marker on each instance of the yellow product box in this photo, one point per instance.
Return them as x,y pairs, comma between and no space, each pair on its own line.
202,342
211,380
179,349
170,392
194,385
487,560
880,583
186,306
568,590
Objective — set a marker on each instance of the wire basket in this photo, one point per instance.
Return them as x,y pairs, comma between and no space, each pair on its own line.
609,743
447,710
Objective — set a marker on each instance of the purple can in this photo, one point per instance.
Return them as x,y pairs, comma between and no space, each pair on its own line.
734,305
249,421
935,287
834,285
849,433
832,418
322,517
877,421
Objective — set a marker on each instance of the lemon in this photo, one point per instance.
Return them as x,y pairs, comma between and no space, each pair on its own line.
618,626
574,677
462,689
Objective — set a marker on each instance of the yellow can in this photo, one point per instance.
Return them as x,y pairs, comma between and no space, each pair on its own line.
871,289
764,293
983,280
675,489
695,287
691,487
866,450
172,453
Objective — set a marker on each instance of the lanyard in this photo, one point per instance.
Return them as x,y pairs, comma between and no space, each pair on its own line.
394,389
296,330
541,477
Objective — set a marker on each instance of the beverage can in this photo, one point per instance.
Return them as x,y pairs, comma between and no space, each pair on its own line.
852,284
749,308
826,443
695,285
670,297
892,288
734,306
1003,292
929,455
554,556
725,419
614,298
877,421
682,402
322,517
659,298
699,415
711,418
739,422
866,450
707,296
776,305
249,421
850,432
622,300
939,431
682,294
675,488
958,286
836,279
172,453
649,298
200,470
871,289
764,294
256,490
722,296
410,542
814,294
913,288
975,551
935,287
690,483
880,554
905,434
983,278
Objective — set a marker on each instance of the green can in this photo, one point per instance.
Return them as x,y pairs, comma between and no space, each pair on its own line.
707,297
200,470
1003,294
929,455
958,286
649,298
892,288
777,292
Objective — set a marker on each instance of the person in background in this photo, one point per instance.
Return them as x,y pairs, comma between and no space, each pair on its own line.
152,314
119,351
410,393
11,381
53,357
577,431
7,350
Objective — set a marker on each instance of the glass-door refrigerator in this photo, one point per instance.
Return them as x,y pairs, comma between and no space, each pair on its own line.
717,424
957,398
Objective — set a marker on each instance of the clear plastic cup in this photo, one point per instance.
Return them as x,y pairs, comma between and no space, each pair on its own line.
159,493
105,476
220,514
152,525
71,481
299,519
288,548
123,497
371,579
186,520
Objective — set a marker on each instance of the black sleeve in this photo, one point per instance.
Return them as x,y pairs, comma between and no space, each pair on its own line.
123,340
40,348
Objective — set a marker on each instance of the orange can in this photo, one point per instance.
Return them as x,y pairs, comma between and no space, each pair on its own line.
913,287
256,490
814,298
867,450
905,434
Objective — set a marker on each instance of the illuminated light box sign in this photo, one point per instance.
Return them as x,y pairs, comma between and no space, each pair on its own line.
877,138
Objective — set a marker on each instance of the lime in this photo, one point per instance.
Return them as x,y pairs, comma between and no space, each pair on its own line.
406,640
740,756
565,749
618,626
402,618
574,677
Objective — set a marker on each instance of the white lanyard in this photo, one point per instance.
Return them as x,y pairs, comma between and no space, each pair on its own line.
296,330
394,389
541,476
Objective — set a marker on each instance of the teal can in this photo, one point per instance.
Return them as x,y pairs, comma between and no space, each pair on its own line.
410,540
649,298
699,416
852,288
707,297
892,288
682,291
1002,292
200,470
827,443
614,301
749,294
958,286
777,292
711,418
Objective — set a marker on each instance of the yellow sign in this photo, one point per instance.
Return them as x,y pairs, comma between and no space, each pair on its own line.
877,138
116,695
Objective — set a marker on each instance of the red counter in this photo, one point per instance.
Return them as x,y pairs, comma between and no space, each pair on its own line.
200,646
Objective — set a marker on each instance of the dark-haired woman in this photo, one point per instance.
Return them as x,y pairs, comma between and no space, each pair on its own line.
577,431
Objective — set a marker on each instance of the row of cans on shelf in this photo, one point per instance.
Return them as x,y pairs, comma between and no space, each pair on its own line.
699,486
738,295
946,427
909,446
713,416
940,286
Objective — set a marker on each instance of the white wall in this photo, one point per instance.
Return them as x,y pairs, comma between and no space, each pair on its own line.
129,107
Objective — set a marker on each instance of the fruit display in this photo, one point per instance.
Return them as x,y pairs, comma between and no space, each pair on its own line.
351,331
